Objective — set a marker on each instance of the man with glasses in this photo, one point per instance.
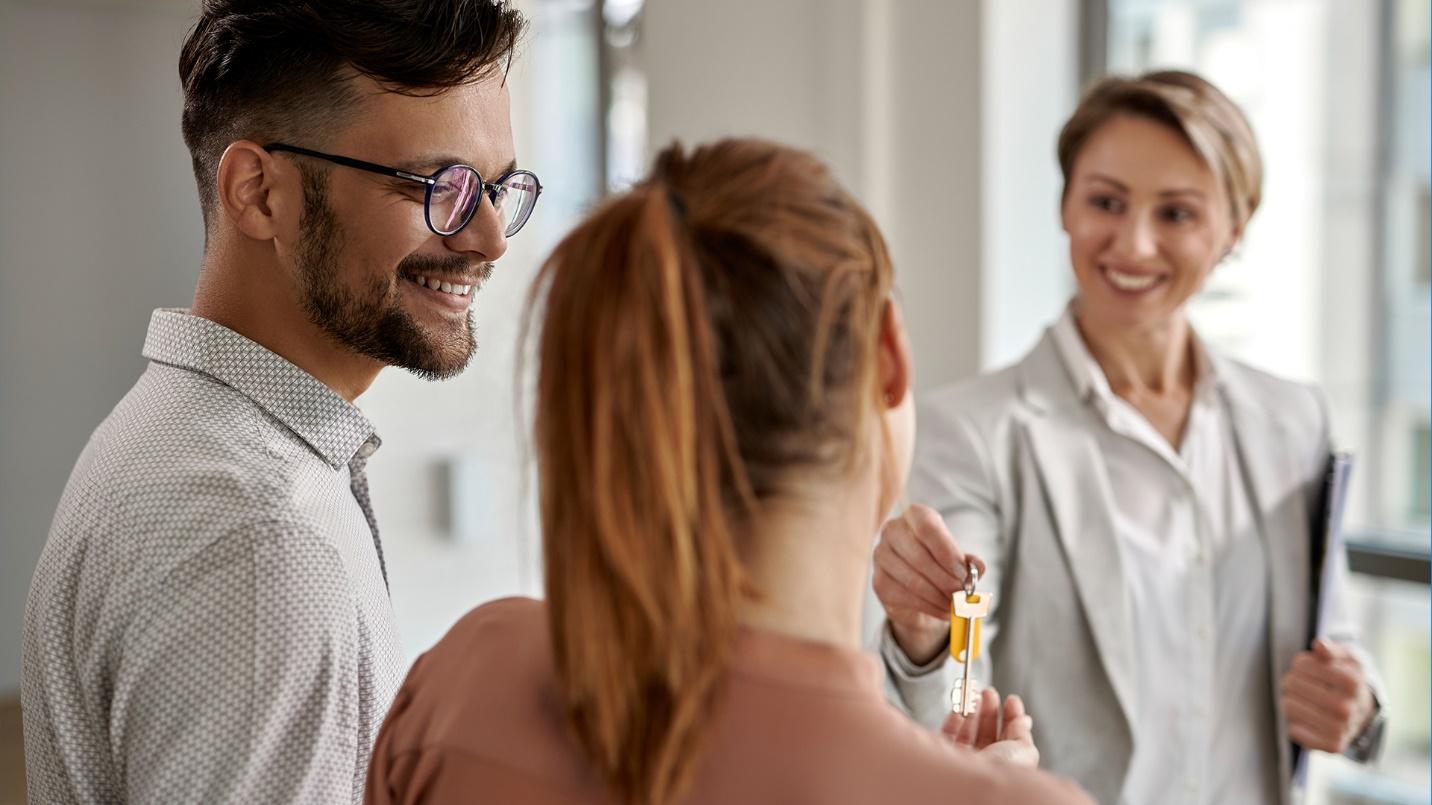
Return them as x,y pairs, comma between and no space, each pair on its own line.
210,619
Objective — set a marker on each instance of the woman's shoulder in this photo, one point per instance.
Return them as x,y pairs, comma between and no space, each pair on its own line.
500,645
1264,389
1037,381
992,392
498,618
486,692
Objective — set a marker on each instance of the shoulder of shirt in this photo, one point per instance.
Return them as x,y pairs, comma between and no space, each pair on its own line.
495,638
983,399
160,436
163,404
486,690
1270,392
1298,410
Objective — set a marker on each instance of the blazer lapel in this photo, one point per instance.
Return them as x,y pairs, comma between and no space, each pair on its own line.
1270,473
1072,474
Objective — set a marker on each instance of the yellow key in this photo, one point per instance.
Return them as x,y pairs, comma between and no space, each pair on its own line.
967,609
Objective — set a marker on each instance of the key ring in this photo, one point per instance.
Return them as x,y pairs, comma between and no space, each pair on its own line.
972,577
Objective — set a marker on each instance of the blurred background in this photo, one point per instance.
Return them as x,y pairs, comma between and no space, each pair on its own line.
940,114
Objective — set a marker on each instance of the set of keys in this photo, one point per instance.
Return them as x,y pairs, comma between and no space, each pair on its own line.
967,609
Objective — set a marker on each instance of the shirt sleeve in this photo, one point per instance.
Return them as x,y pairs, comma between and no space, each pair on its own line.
239,681
953,475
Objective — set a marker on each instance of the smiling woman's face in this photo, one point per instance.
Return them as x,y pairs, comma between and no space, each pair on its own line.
1147,222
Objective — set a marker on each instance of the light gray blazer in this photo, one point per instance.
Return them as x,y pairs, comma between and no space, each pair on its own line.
1010,461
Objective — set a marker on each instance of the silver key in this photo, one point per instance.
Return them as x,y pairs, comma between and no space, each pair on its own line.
965,694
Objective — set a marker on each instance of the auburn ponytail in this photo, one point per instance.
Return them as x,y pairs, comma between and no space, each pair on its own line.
681,323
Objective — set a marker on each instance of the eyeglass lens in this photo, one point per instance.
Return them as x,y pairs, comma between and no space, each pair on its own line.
457,192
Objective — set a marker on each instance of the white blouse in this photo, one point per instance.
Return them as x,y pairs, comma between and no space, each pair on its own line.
1197,591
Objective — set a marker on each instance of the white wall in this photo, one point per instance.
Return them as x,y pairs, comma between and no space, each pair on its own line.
99,224
1030,84
885,91
941,115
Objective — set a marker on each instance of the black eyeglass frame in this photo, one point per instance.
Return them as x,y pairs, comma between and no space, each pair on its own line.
488,189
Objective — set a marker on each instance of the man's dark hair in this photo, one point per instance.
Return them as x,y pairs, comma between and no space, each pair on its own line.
272,70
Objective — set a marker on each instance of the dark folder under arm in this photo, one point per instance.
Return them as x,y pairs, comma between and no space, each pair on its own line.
1326,545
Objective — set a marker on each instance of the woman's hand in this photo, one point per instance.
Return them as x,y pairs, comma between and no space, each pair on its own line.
1326,698
1005,733
918,566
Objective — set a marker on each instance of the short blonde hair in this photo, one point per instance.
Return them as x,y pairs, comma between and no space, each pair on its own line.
1213,125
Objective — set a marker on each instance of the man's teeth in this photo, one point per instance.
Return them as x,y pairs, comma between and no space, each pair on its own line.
1131,282
445,287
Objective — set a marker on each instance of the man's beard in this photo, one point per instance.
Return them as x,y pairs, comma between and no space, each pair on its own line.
371,320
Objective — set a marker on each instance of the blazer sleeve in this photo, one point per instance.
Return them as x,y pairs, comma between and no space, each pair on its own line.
953,474
1342,627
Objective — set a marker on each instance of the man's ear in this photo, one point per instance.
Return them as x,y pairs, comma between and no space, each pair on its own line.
896,365
248,188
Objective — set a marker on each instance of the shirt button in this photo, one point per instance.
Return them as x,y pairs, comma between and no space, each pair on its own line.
367,450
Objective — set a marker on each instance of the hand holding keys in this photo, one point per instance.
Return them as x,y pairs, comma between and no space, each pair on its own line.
967,609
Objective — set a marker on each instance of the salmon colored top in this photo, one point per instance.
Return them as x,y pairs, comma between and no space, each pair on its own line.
478,719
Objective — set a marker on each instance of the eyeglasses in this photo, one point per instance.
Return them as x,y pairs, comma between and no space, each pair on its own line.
453,191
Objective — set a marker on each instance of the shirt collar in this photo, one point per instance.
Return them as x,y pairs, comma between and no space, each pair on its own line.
331,426
1089,380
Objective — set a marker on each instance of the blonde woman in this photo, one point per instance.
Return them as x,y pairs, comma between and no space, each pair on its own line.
1141,503
722,419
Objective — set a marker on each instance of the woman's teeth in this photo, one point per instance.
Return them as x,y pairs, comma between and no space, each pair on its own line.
1130,282
445,287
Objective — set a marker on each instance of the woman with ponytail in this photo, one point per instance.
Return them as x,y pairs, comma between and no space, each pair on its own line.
723,418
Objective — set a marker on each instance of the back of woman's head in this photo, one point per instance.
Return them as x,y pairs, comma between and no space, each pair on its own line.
708,336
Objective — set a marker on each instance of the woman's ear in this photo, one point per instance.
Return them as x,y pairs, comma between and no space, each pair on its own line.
1234,238
896,365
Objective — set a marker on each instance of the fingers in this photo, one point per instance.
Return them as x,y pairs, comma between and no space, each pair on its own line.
1310,738
1020,729
1316,721
988,713
953,728
918,565
1332,651
980,728
898,585
1303,687
1343,675
1325,697
1015,742
923,540
1013,707
928,528
1018,725
967,730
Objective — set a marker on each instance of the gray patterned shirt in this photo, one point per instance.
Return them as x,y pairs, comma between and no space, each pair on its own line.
209,621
